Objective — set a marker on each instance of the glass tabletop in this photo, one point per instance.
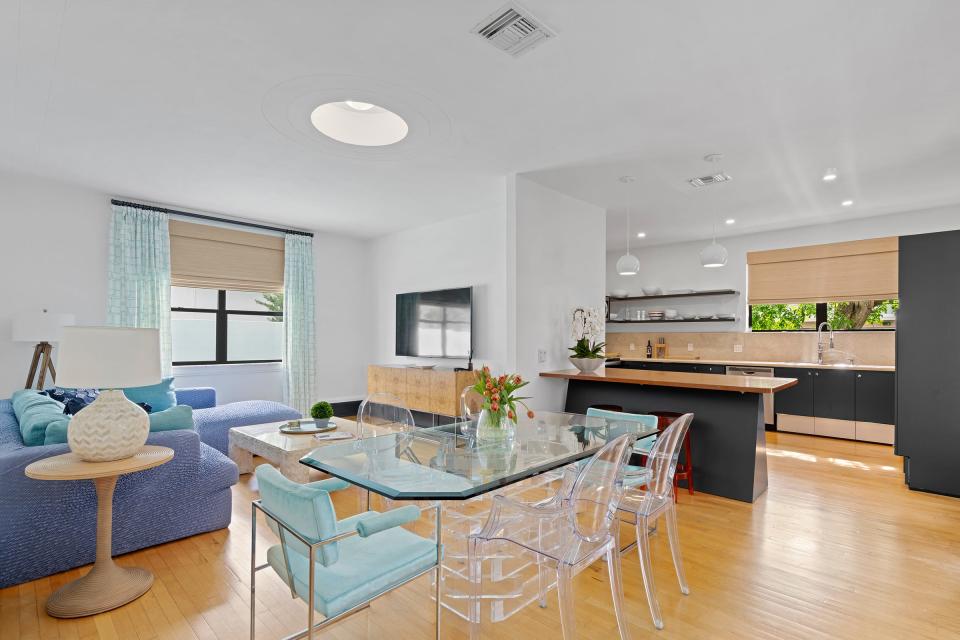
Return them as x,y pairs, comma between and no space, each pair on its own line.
450,463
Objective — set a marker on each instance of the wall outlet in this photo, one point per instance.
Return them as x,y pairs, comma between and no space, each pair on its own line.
738,348
689,346
541,355
633,347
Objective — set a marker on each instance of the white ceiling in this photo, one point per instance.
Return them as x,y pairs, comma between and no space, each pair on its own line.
176,101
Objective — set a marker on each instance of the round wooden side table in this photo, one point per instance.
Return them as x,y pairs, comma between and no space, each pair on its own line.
107,585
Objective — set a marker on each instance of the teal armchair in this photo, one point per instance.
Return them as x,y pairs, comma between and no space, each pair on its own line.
337,566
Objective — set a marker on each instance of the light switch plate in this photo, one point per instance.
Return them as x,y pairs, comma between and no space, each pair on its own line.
541,355
689,346
738,348
633,347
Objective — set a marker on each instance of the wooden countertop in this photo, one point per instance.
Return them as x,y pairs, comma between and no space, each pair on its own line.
763,363
711,381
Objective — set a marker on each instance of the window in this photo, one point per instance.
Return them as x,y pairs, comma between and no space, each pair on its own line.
211,326
851,315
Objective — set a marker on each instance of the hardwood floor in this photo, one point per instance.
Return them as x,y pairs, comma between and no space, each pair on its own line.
837,548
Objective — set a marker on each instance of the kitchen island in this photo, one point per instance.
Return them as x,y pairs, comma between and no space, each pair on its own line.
727,436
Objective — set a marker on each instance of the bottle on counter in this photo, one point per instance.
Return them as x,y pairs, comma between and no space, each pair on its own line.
649,349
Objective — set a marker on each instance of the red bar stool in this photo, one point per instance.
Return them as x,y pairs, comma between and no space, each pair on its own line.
684,468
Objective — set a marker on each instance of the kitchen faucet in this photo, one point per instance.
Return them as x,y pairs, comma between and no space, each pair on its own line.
820,340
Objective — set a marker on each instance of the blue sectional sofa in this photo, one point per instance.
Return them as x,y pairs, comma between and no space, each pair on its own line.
48,527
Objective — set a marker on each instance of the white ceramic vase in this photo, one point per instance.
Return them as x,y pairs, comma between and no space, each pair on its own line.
587,365
110,428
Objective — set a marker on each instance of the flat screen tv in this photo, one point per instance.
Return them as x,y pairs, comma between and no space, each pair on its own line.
435,324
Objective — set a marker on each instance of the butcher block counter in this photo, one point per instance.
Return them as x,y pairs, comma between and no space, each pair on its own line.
678,379
727,435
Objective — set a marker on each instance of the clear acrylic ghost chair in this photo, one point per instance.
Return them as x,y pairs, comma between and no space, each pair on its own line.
618,422
567,533
381,413
647,504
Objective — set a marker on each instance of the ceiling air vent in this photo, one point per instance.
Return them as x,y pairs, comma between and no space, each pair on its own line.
513,29
706,181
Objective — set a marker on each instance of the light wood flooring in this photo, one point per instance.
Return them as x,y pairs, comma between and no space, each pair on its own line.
837,548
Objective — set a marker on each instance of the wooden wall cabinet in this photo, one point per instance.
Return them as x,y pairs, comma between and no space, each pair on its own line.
434,391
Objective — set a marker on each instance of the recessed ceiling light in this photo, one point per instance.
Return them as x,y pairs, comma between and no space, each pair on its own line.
358,106
830,175
359,123
846,203
729,221
641,234
627,179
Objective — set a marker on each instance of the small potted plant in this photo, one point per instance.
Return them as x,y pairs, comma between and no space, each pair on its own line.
500,404
588,353
321,413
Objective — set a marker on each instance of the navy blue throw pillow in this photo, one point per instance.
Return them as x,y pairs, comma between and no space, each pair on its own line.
73,399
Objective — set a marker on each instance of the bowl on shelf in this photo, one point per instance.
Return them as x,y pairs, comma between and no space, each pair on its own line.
670,314
614,316
674,292
689,316
619,293
652,291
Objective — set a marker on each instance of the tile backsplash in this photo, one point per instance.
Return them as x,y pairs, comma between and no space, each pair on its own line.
868,347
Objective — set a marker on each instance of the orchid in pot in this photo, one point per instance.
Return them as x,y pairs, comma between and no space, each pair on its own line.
498,417
587,351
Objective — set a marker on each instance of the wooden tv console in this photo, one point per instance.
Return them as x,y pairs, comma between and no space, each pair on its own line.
429,390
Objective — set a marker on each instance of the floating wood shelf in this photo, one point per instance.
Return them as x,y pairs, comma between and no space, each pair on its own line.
669,321
695,294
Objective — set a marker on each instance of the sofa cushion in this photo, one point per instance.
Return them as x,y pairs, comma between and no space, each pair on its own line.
34,413
160,396
73,399
179,417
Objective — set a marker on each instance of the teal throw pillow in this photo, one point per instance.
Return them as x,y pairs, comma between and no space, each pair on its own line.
160,396
179,417
34,413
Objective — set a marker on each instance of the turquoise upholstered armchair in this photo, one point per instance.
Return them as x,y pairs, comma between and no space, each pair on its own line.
337,566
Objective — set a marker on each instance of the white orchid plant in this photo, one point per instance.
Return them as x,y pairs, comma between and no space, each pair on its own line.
587,333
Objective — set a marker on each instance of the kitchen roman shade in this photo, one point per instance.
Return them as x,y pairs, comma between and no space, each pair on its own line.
858,270
212,257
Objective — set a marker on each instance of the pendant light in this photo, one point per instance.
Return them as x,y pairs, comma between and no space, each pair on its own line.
713,255
628,264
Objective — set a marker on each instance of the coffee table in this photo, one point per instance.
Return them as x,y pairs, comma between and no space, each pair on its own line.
107,585
282,449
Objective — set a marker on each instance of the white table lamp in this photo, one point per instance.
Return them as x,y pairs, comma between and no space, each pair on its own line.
109,358
42,328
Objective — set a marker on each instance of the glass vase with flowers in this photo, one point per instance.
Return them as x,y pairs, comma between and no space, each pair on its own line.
501,404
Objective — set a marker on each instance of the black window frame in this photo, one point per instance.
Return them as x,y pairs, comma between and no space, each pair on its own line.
821,318
222,316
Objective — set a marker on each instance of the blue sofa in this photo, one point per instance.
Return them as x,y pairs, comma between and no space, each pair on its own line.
47,527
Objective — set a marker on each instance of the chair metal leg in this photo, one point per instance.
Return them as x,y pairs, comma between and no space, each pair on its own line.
439,592
568,603
674,536
253,572
310,612
646,569
616,588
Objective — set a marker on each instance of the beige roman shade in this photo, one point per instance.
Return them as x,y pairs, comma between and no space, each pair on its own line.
859,270
212,257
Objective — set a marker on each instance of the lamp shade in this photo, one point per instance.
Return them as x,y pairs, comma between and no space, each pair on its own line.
40,326
713,255
628,265
108,357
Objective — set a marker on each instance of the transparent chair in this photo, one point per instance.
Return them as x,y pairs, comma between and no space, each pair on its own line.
566,532
647,505
615,420
382,413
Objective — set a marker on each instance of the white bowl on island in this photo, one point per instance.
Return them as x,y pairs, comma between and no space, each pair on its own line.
587,365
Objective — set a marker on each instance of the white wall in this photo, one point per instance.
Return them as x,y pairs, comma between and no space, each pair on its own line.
53,240
677,266
558,247
53,254
459,252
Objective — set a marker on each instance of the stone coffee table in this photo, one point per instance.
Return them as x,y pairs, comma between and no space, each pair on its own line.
283,450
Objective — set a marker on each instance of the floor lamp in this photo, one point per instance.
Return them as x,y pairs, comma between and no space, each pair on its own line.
43,328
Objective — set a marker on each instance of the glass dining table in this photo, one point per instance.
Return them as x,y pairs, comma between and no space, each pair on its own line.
452,465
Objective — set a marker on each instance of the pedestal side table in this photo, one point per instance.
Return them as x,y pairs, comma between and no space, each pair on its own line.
107,585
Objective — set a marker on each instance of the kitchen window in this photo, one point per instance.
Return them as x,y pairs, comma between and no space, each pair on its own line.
850,315
219,326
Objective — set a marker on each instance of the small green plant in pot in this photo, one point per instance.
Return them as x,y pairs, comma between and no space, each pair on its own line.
321,413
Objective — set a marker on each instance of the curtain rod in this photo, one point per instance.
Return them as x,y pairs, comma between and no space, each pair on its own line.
200,216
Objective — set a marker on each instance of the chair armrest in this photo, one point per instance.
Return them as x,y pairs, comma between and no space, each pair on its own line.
197,397
329,485
382,521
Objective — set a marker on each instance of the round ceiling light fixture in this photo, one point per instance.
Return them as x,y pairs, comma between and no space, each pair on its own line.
846,203
641,234
359,123
729,221
830,175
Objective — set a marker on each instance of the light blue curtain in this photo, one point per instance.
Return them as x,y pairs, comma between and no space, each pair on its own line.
138,273
299,324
